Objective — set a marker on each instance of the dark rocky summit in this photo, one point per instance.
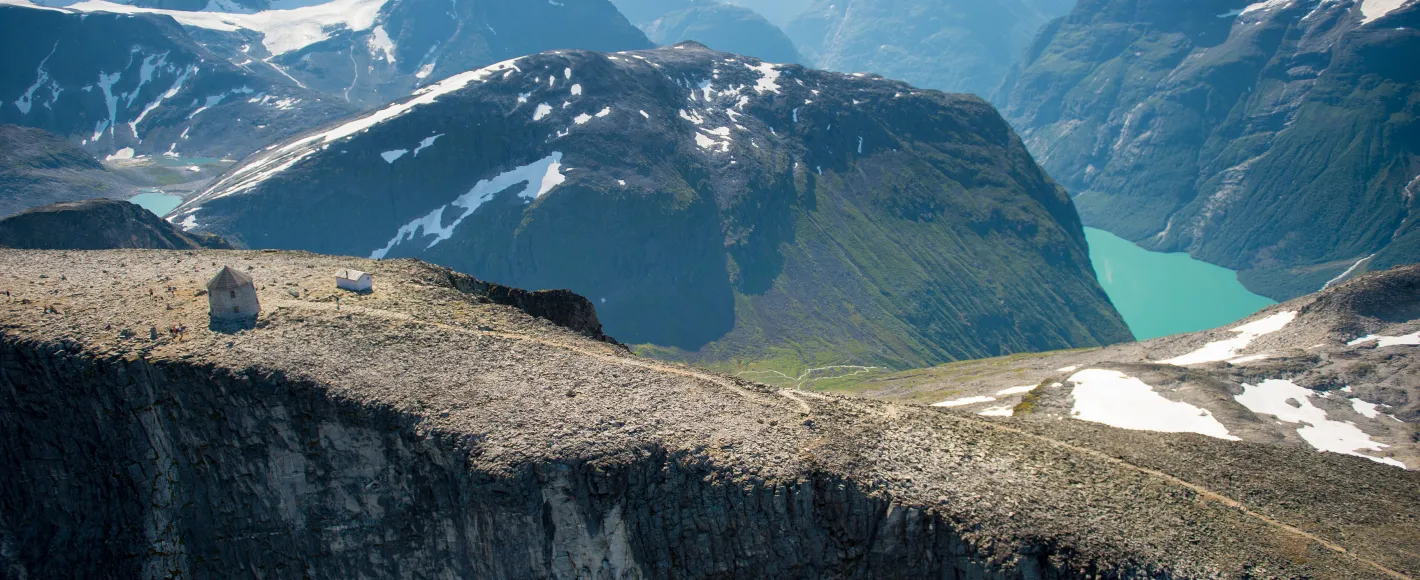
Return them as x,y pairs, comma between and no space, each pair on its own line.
38,168
1338,371
421,431
98,224
1278,138
715,208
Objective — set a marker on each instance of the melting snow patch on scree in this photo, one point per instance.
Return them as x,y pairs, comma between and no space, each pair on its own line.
1412,339
1227,349
1292,404
1112,398
964,401
391,156
538,177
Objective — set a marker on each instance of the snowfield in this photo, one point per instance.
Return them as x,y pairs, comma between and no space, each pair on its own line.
1119,400
1290,403
1222,350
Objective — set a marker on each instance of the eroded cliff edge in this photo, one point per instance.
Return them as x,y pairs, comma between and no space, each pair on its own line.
421,431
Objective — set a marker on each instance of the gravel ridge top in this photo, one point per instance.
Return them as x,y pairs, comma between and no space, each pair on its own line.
523,391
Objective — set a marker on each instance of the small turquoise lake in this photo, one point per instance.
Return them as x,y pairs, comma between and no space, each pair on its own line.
156,201
1165,293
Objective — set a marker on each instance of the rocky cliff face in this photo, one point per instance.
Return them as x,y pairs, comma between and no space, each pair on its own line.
39,168
714,207
97,224
1334,371
1275,138
120,85
421,431
956,45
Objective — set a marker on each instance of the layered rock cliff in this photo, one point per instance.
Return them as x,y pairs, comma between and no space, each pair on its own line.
422,431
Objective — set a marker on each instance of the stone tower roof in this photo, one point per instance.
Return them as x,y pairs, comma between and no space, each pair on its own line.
228,279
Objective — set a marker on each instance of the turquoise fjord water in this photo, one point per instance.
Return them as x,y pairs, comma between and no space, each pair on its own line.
156,201
1161,294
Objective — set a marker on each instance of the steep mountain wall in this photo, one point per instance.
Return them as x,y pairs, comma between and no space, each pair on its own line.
165,469
1278,138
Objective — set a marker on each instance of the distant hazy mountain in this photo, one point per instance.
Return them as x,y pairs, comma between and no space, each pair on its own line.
368,52
715,208
951,45
124,85
718,25
779,12
1276,138
38,168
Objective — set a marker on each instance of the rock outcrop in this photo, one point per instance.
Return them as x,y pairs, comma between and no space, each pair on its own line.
98,224
419,431
716,208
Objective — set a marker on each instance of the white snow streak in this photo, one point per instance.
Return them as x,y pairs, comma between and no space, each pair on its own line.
537,178
1412,339
1227,349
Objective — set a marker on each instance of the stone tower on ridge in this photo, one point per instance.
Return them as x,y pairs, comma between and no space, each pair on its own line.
231,296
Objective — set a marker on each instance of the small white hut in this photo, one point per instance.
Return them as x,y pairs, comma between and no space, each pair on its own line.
231,296
354,281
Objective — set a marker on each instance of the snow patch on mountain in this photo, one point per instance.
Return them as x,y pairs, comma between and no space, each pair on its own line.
1290,403
380,44
273,161
26,100
1412,339
1222,350
1115,399
537,178
282,31
426,143
964,401
1372,10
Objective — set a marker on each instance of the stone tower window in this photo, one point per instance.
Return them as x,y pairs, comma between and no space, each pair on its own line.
236,309
234,294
